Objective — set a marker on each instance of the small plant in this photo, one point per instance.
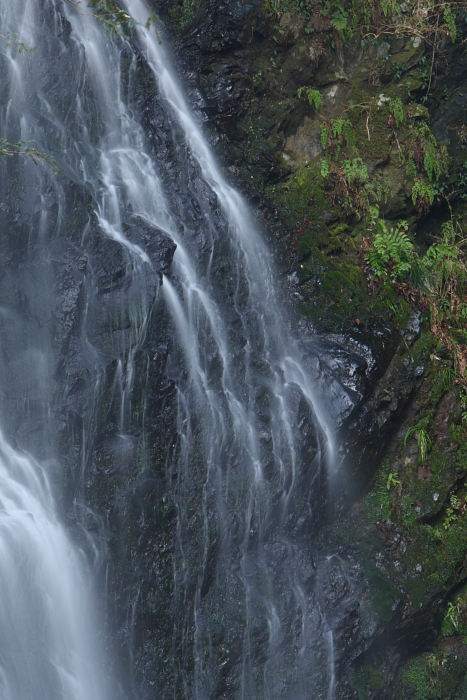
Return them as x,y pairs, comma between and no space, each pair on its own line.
424,441
427,154
392,255
111,16
452,511
463,403
452,614
11,39
392,481
423,195
355,170
314,97
399,70
397,111
8,149
447,378
340,21
335,133
450,21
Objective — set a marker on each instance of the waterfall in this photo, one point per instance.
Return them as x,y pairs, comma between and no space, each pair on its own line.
46,643
253,434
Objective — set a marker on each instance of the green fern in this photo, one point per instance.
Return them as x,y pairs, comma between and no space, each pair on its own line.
335,133
392,257
397,110
422,191
339,21
450,22
355,170
326,166
314,97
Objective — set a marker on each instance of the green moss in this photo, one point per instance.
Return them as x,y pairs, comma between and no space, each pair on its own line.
311,239
373,122
341,296
336,283
368,681
301,197
433,676
355,277
314,266
389,303
183,12
383,593
339,229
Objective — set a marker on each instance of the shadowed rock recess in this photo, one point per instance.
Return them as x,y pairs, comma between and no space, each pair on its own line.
263,457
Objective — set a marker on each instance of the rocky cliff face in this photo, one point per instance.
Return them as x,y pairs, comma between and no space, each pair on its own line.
392,562
388,564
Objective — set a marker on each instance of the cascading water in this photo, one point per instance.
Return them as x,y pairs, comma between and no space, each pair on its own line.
252,432
46,643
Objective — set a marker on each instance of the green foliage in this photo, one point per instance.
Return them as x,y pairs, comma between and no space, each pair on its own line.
336,133
433,676
392,481
397,110
450,21
313,96
368,681
399,70
340,21
424,441
392,256
292,197
434,159
416,680
447,378
377,503
426,159
463,403
429,155
347,17
20,148
355,170
112,17
455,616
446,271
423,194
453,510
452,614
439,277
12,40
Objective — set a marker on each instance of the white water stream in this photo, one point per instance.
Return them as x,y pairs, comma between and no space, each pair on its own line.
47,639
245,379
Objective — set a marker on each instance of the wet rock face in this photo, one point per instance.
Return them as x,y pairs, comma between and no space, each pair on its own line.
373,597
85,318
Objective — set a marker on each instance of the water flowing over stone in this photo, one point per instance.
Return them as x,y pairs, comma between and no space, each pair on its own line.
47,651
91,270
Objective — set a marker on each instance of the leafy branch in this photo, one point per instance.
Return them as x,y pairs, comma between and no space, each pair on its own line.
11,39
111,16
7,148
